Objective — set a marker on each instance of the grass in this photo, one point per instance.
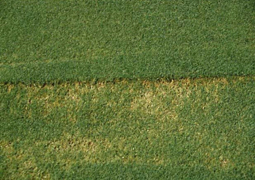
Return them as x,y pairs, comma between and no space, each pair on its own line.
127,89
183,129
83,40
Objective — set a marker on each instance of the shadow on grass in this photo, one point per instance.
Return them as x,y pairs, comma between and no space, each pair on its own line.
136,171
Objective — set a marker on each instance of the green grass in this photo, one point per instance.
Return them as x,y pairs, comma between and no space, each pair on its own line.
184,129
107,39
127,89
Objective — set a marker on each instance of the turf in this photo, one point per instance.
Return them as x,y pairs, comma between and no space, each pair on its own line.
43,41
127,89
184,129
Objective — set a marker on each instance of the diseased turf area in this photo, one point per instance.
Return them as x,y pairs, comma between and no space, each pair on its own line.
106,39
127,89
184,129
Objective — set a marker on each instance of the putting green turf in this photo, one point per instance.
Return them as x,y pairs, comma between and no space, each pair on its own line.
184,129
106,39
127,89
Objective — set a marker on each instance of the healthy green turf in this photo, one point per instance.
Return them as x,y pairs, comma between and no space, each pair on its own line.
58,40
186,129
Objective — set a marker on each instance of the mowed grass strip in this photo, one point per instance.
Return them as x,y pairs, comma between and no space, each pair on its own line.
186,129
106,39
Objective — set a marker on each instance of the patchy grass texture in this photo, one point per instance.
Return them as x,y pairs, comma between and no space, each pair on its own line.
87,89
185,129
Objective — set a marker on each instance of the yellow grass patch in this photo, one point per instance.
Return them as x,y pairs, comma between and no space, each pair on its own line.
22,161
159,101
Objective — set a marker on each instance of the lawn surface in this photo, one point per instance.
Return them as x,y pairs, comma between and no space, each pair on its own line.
127,89
186,129
106,39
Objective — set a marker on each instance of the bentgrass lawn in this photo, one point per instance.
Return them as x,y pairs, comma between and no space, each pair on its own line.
107,39
191,129
114,89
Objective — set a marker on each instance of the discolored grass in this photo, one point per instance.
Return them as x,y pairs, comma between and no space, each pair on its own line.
182,129
112,89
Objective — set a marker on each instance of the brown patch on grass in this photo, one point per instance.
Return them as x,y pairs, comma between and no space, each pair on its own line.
225,163
152,97
22,161
10,87
48,99
7,147
92,151
147,100
69,143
